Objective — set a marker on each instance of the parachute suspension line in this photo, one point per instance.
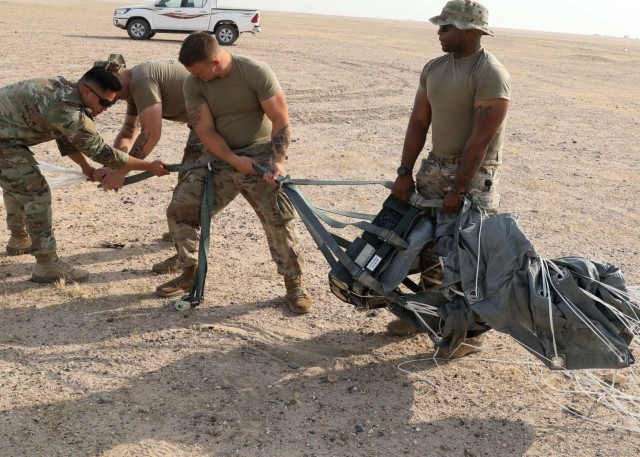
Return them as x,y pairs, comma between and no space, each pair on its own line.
578,312
482,217
422,308
424,278
630,323
625,406
620,295
547,294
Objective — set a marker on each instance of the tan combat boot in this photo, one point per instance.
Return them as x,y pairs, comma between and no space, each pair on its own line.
468,347
299,299
19,244
166,266
178,286
398,327
49,268
166,236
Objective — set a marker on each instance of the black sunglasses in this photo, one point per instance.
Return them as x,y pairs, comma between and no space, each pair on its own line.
103,101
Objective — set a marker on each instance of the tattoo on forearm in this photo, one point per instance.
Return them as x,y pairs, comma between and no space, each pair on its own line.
129,127
194,116
281,141
137,150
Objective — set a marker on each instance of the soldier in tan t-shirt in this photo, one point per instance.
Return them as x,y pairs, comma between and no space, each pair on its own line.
239,112
153,92
464,96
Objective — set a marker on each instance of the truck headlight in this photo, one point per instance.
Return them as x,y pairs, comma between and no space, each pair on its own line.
121,11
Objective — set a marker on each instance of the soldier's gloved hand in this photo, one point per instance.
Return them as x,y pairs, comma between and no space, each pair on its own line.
100,173
244,165
158,168
112,180
452,202
403,186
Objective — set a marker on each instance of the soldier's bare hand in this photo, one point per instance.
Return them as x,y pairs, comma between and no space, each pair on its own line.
112,181
276,169
89,172
452,203
245,165
403,186
100,173
157,167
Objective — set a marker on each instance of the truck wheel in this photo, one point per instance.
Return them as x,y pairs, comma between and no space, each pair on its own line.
139,29
226,34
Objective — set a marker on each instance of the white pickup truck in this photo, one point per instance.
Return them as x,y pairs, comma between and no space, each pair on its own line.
186,16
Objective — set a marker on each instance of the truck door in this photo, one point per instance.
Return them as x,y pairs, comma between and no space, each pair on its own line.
167,15
196,15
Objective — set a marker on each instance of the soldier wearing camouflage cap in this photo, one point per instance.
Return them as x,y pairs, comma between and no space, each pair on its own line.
39,110
463,96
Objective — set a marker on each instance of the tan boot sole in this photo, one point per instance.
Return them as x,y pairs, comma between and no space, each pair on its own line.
176,293
14,251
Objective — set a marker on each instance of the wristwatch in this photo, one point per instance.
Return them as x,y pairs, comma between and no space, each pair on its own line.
404,171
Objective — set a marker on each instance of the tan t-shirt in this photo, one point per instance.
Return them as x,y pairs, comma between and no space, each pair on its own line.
234,101
452,87
159,82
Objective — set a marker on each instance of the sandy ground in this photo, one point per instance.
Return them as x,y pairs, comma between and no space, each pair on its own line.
106,368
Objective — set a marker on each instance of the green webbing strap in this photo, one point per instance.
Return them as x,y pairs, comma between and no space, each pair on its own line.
174,168
386,235
329,244
196,295
283,180
330,248
363,216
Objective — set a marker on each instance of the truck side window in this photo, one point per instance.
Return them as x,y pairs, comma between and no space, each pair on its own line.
169,3
193,3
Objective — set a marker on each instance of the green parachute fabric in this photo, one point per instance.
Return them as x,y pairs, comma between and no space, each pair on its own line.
571,312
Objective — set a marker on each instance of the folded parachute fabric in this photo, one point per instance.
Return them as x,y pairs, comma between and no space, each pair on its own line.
572,313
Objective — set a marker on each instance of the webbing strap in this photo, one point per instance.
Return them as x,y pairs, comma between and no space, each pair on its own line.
174,168
319,182
330,248
386,235
328,243
352,214
196,295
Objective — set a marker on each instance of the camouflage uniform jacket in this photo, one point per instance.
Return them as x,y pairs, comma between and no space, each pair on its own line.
39,110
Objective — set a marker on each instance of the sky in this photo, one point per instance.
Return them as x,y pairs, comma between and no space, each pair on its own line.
603,17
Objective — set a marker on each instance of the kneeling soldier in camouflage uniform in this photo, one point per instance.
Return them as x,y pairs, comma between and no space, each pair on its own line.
239,112
39,110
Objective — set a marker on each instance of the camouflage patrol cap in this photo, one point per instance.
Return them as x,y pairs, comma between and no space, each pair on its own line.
114,63
464,15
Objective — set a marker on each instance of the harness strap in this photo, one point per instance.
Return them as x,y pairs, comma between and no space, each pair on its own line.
328,243
196,295
174,168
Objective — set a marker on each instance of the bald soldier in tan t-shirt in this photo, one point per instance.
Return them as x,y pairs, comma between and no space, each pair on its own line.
153,91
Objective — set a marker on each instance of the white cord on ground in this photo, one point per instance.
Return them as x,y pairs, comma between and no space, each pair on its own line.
74,176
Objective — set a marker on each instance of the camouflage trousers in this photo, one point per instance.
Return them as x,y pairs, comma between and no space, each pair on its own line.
433,180
27,198
273,207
